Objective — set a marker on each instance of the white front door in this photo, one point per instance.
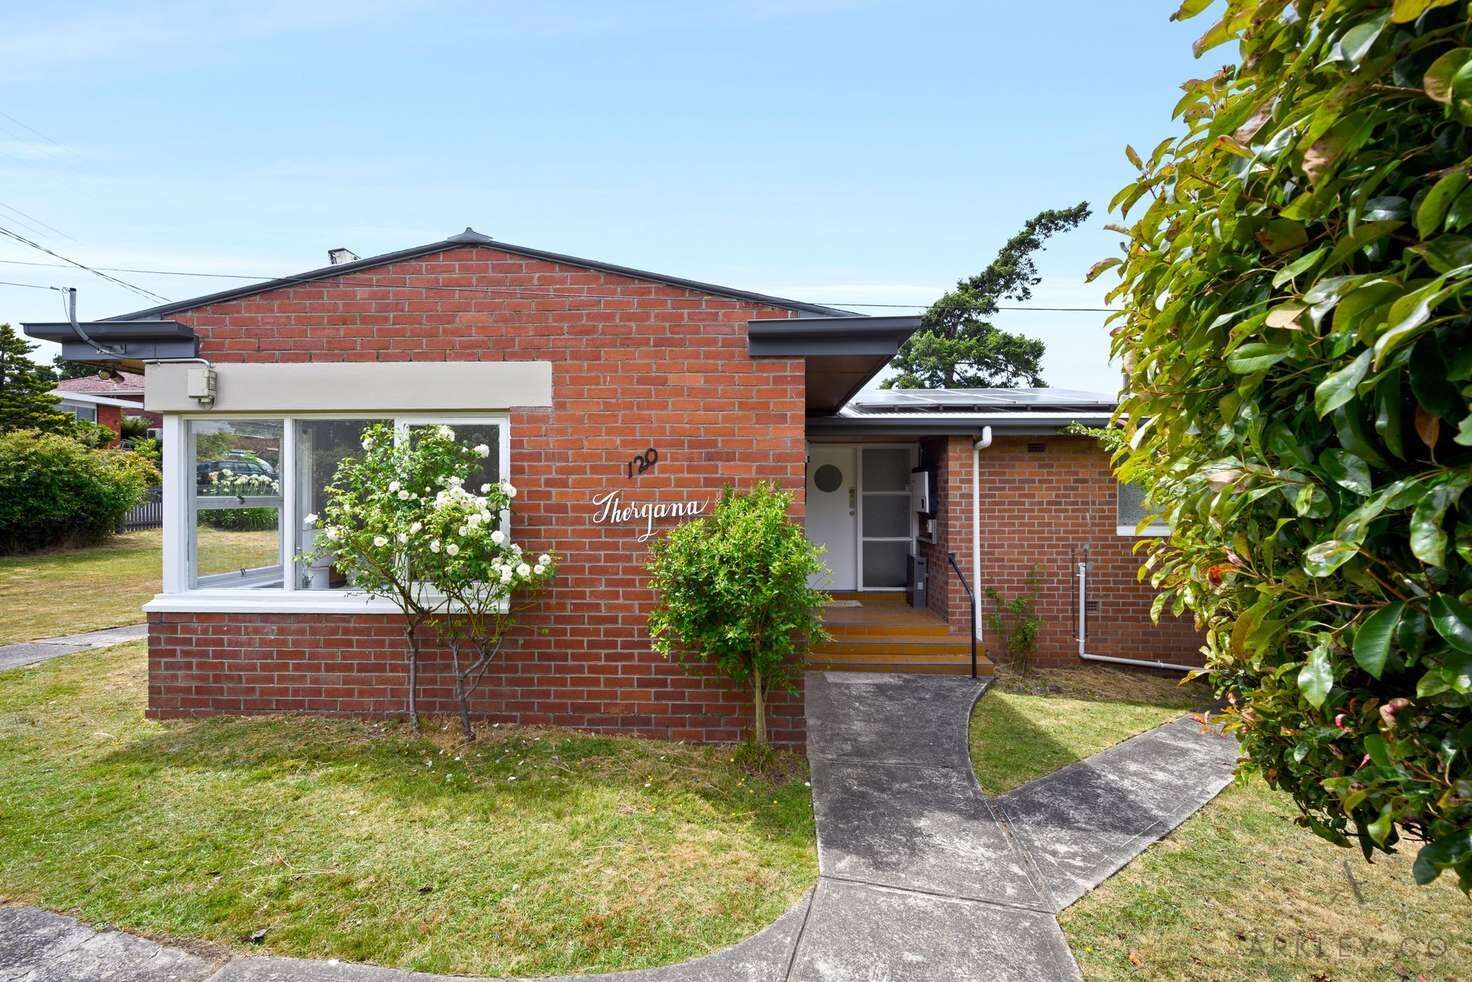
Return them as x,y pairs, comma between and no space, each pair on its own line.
832,514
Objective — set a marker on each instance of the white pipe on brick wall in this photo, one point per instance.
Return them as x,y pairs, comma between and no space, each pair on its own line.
1083,631
976,448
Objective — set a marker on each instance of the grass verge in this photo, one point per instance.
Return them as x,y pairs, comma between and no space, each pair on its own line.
1237,890
1030,725
531,852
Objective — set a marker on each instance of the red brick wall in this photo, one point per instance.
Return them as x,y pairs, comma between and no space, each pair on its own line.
112,418
636,364
206,664
1044,507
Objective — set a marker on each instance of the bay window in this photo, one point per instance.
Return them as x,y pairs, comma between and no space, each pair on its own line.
238,489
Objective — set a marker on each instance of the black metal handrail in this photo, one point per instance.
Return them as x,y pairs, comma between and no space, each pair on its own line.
951,557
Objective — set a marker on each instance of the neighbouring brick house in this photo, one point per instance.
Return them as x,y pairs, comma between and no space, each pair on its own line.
571,369
106,400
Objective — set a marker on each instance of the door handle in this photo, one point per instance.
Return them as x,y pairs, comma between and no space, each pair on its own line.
852,501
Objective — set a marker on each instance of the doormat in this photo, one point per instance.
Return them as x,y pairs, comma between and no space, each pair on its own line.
843,603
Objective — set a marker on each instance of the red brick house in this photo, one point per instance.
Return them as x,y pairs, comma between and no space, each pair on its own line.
105,400
574,369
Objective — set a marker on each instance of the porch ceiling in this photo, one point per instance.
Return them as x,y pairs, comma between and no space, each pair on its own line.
840,354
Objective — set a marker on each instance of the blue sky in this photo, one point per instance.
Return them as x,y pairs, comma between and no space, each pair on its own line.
840,151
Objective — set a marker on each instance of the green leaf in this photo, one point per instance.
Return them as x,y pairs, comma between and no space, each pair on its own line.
1438,79
1349,425
1405,11
1338,388
1453,621
1255,356
1457,670
1372,640
1355,43
1298,265
1316,677
1446,252
1362,236
1324,558
1442,853
1347,471
1434,206
1428,538
1378,750
1389,417
1096,270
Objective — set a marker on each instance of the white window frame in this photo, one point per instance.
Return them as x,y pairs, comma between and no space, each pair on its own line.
179,488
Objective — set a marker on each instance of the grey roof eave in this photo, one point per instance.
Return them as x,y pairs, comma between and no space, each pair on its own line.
854,334
472,238
939,424
111,330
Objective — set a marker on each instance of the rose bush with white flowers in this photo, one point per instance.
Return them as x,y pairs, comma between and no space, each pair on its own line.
401,523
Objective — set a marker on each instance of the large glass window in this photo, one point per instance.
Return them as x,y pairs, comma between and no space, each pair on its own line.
321,445
235,514
251,483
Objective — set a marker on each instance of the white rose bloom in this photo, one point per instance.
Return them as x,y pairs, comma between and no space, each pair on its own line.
393,485
498,537
452,549
379,541
434,545
523,570
310,518
510,489
506,575
447,433
516,548
485,488
403,537
415,527
544,560
482,450
485,516
333,533
403,495
539,569
461,531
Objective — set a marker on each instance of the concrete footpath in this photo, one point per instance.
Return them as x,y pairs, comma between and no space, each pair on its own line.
31,652
921,876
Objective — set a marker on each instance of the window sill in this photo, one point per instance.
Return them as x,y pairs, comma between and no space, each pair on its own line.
1149,530
246,601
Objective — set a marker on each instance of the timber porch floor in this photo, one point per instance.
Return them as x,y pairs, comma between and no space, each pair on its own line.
885,634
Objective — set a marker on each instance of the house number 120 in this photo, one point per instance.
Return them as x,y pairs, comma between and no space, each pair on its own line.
642,462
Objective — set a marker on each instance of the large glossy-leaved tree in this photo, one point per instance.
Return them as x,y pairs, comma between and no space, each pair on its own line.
1298,346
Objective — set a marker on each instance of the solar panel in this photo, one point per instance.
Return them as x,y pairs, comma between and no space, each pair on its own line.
983,400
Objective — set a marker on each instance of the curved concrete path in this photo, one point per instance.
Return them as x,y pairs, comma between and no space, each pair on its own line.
921,876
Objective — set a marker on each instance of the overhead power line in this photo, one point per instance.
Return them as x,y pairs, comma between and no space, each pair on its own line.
111,279
518,291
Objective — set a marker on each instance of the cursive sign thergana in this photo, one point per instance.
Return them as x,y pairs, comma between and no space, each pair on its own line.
612,511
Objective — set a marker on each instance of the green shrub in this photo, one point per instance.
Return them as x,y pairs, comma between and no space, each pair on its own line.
92,435
56,492
1298,346
732,588
239,519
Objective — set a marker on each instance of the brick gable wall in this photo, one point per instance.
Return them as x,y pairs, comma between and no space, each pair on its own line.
636,364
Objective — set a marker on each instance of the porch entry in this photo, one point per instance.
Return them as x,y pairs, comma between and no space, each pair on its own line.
859,508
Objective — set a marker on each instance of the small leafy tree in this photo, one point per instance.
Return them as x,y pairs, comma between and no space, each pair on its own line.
26,402
957,346
732,589
1298,347
1016,620
401,524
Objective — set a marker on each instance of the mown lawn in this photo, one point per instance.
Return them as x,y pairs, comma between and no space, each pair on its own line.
1030,725
530,852
1238,891
69,591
